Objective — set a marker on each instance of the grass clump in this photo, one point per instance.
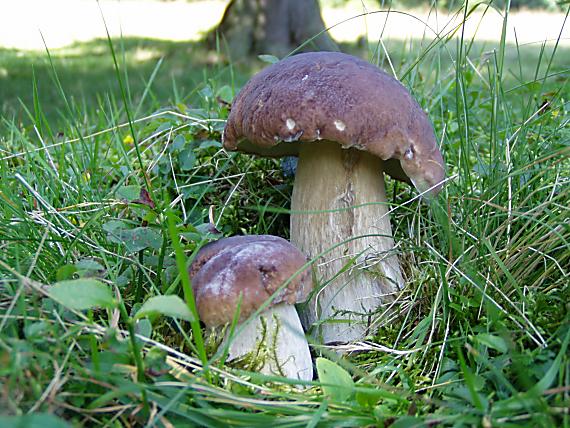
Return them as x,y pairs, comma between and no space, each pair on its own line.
482,332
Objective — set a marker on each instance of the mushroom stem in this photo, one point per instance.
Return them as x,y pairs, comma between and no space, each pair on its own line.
335,180
280,330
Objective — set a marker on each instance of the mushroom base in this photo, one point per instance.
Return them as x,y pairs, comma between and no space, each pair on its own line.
359,272
277,338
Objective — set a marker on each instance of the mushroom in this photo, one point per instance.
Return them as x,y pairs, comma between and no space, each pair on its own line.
253,269
348,121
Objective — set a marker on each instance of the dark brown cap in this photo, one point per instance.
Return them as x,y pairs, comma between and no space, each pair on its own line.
254,266
213,248
335,97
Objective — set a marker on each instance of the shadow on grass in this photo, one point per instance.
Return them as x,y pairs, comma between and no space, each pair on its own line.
87,74
88,77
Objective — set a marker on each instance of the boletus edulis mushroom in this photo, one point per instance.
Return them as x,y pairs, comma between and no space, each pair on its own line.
251,269
348,122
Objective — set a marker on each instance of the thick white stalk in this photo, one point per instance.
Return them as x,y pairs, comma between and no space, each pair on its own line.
335,180
284,346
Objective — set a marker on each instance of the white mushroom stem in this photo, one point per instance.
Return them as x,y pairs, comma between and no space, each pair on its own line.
278,335
335,180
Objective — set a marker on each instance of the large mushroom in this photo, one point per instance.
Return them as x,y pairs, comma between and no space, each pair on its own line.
253,269
348,121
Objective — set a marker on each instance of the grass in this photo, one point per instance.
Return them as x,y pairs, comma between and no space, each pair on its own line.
481,337
173,72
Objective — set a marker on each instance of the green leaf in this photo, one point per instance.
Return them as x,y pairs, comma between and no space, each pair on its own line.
114,225
206,92
270,59
136,239
88,264
164,127
37,330
515,404
554,369
86,268
65,272
368,397
365,399
494,342
206,144
178,143
187,159
471,385
129,193
126,277
82,294
170,306
35,420
143,327
408,422
337,382
198,112
225,93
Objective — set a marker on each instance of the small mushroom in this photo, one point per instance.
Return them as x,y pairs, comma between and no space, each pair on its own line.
255,268
348,121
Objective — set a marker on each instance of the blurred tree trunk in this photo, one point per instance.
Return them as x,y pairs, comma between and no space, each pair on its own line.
272,27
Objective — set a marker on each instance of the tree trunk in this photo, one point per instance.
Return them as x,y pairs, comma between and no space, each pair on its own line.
274,27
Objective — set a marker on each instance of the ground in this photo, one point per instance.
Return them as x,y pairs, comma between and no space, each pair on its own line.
479,336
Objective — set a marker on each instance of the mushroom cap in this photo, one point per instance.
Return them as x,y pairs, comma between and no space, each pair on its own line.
254,266
336,97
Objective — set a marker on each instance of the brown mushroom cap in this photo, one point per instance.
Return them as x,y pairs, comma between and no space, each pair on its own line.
336,97
254,266
215,247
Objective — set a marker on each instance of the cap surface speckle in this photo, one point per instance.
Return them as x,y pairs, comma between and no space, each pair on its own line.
336,97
